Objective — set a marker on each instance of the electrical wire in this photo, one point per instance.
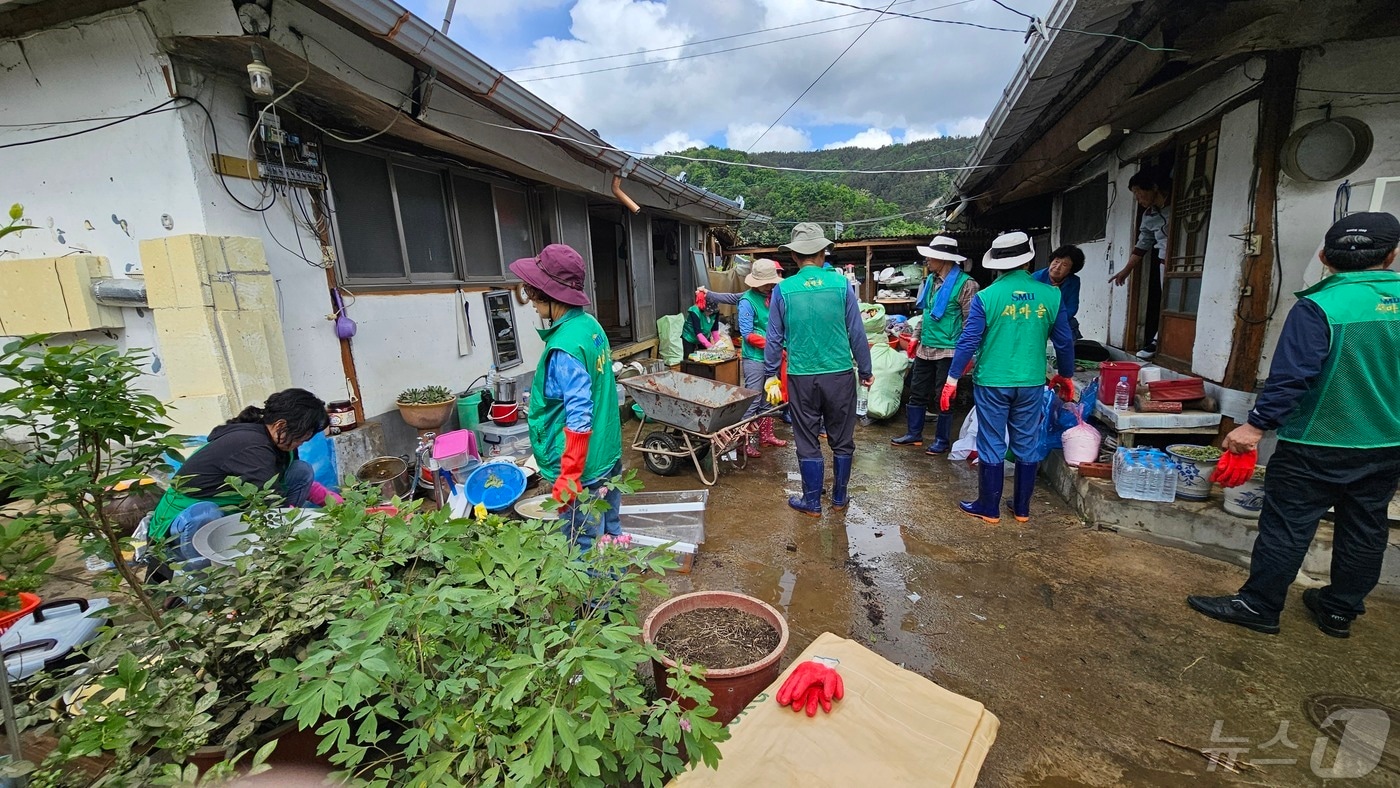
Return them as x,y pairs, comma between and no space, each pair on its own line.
164,106
1203,115
925,18
214,131
723,51
398,113
1035,20
808,89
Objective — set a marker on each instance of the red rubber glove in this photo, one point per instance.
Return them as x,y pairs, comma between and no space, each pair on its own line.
319,495
1064,387
811,684
570,480
950,390
1232,470
913,348
757,340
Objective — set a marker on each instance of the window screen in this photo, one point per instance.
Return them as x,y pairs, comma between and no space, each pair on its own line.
364,215
476,222
423,213
1084,217
513,219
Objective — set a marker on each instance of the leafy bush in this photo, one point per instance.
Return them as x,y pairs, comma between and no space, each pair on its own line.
482,652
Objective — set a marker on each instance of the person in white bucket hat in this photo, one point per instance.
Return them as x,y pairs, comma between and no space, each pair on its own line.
946,301
754,305
1006,331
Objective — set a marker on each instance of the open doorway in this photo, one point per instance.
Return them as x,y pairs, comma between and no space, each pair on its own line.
1145,306
668,267
612,285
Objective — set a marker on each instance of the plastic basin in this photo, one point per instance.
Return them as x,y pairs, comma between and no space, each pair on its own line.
496,484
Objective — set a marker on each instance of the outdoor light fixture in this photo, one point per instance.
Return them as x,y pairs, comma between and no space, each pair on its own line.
259,75
1088,141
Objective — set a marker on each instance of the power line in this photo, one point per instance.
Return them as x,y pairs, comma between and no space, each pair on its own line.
164,106
818,79
1035,20
925,18
721,51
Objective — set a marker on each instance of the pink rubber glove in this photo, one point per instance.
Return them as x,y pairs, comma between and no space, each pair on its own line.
714,338
319,495
703,340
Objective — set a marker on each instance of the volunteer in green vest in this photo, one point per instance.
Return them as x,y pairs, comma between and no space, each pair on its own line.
1331,397
1006,332
815,317
754,306
946,301
701,327
257,446
574,425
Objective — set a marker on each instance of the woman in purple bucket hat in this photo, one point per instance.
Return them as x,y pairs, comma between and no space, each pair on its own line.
574,425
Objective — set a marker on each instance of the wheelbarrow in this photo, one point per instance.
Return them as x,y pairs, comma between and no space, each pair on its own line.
699,418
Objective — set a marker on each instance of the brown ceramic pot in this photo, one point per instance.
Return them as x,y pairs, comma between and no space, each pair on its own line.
426,417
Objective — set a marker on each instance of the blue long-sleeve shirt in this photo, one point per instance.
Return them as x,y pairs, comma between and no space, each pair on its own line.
1061,336
777,335
567,379
1069,290
1302,352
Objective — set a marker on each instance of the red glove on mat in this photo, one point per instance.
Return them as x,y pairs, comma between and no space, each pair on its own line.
570,480
1232,469
950,390
812,684
1064,387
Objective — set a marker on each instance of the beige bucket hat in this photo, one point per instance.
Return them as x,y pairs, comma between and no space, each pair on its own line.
764,272
808,238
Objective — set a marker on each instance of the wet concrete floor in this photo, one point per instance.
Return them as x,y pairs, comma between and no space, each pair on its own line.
1079,640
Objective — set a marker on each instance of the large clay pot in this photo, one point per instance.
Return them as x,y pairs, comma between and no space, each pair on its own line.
732,688
1246,500
1192,475
426,417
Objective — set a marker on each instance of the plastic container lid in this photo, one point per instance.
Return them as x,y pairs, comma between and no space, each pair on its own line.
454,444
496,484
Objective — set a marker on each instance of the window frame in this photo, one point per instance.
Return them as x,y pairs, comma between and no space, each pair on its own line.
1101,181
446,172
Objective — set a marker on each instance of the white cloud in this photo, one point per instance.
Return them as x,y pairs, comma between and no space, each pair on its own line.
658,93
673,142
965,127
870,138
491,13
742,135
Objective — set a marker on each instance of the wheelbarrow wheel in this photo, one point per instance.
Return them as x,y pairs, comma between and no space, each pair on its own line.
661,464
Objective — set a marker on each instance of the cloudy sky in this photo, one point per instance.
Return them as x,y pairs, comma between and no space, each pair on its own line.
655,88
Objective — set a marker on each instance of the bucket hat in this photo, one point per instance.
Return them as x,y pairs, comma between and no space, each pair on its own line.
942,248
557,272
1009,250
807,239
765,272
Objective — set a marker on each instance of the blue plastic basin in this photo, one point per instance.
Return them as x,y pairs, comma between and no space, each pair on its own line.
497,485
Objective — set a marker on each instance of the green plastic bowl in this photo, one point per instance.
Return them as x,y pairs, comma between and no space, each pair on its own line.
637,409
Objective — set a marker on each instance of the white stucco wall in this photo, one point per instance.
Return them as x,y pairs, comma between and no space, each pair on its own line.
100,192
1305,208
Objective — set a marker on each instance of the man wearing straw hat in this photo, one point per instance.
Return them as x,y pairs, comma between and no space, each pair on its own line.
1006,331
815,317
754,307
946,299
575,428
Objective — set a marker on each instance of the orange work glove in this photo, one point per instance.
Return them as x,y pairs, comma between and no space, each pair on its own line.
570,481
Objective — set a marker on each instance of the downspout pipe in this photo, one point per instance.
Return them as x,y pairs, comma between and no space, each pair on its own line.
130,293
621,195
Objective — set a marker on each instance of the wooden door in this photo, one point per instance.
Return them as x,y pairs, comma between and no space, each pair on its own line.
1192,194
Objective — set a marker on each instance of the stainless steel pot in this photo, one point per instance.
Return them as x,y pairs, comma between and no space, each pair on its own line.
390,473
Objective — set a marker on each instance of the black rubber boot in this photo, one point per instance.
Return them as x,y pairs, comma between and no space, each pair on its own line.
943,436
810,502
841,480
915,435
990,481
1022,490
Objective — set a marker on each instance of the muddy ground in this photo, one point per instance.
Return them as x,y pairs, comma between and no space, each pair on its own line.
1080,641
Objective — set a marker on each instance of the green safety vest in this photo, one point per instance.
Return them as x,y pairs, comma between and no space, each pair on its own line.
707,325
578,334
173,502
944,333
1020,315
1352,404
814,317
760,324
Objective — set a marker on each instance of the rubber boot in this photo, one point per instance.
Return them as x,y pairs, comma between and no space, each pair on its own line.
1022,490
915,435
943,437
766,436
990,481
841,480
751,447
810,501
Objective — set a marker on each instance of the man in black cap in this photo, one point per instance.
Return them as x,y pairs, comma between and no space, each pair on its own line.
1331,397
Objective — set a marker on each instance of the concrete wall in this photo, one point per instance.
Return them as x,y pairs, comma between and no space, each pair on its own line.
1305,208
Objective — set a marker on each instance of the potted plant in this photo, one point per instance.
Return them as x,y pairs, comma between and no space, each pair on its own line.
483,651
426,408
1194,465
1246,500
737,639
168,676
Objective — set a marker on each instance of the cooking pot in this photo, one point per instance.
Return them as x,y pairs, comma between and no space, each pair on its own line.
504,390
505,413
390,473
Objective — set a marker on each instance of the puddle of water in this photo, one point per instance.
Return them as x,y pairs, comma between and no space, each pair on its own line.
786,584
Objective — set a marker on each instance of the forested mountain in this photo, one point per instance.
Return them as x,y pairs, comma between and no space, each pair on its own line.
851,199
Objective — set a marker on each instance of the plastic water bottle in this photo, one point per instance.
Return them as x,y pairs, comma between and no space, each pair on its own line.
862,400
1121,395
1158,480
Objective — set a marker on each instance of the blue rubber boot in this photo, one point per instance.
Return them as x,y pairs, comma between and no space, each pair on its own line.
810,502
943,436
841,480
1021,493
990,482
915,435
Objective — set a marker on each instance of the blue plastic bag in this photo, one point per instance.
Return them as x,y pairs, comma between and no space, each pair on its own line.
320,454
